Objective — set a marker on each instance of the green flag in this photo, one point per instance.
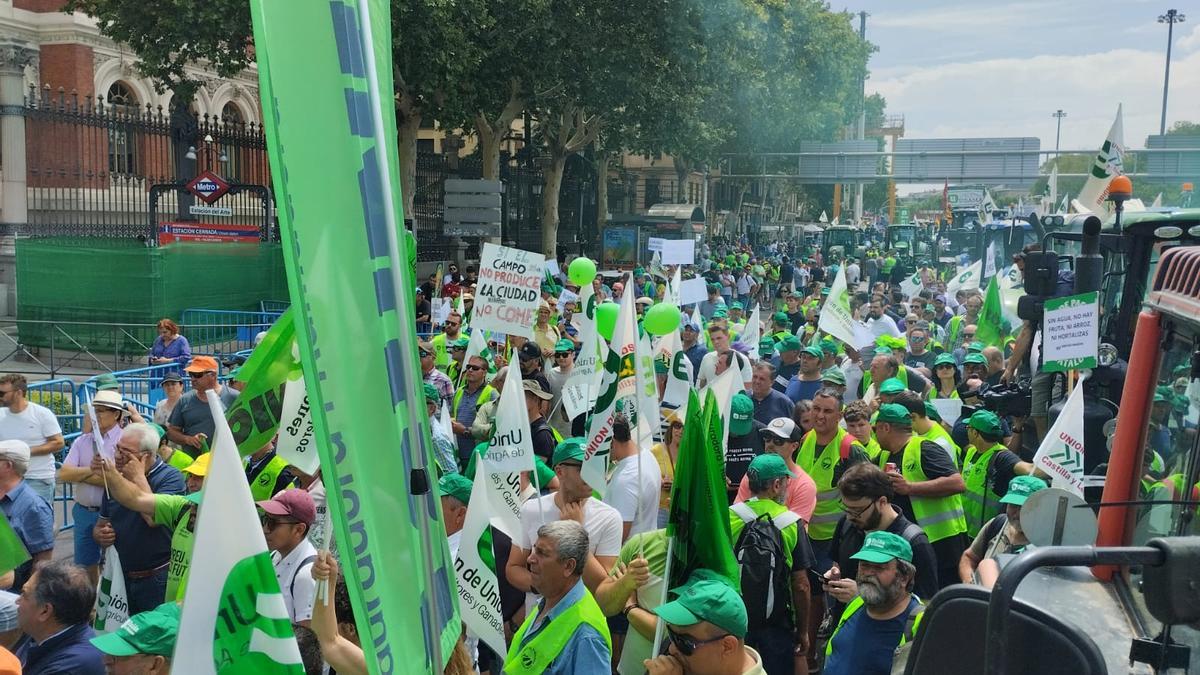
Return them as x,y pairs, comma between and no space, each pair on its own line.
990,329
12,551
698,521
254,415
325,74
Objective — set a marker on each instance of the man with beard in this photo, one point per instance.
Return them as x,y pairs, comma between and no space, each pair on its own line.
883,616
867,496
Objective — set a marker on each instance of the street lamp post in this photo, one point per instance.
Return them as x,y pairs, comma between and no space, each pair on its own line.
1058,132
1171,18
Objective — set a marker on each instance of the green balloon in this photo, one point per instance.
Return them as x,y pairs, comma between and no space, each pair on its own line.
581,271
661,319
606,318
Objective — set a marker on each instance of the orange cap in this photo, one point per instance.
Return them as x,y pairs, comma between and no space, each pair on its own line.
202,364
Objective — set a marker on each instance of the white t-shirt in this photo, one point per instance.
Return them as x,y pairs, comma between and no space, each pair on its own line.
33,425
884,325
708,368
635,496
601,521
298,596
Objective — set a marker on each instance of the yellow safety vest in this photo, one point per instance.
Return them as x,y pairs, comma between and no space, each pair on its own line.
263,485
980,502
901,374
536,655
910,626
940,517
820,469
485,395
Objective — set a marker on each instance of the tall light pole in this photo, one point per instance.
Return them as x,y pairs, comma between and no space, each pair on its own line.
862,122
1058,132
1171,18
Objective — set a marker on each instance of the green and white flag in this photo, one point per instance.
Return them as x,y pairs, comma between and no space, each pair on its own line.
254,415
1107,164
836,318
511,448
234,619
967,279
476,568
619,383
680,378
112,602
577,390
1060,455
647,419
912,286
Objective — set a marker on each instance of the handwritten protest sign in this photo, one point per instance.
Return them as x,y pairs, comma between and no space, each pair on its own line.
508,291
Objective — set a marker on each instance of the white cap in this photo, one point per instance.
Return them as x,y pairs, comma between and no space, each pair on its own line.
15,448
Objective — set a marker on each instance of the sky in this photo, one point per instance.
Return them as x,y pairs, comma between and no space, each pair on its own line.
967,68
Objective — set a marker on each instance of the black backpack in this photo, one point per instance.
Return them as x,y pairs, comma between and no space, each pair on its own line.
762,563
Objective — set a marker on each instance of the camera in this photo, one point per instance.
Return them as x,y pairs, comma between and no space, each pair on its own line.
1014,399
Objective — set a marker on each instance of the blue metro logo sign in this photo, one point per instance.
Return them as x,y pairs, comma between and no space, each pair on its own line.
208,186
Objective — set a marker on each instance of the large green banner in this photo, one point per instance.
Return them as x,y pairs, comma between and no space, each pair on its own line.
326,82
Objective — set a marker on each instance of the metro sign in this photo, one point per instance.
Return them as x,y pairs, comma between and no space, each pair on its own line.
208,186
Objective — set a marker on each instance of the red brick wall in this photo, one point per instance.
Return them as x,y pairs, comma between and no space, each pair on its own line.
41,6
68,66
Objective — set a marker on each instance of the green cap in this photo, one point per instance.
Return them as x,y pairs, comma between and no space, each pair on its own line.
985,421
976,346
894,413
1160,397
432,394
814,351
825,290
564,345
829,346
891,386
455,485
107,382
714,287
976,358
790,343
152,632
737,305
720,313
741,414
880,547
639,272
931,412
1019,489
713,601
781,317
883,351
945,360
768,466
569,449
833,374
461,343
766,347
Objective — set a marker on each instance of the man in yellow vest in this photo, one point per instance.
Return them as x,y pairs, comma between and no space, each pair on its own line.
865,642
267,473
566,632
440,343
706,631
988,467
925,427
824,454
781,635
928,486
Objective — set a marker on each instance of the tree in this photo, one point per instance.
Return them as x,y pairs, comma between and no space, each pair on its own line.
1184,128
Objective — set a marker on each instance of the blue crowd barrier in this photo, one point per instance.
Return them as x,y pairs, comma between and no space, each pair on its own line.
223,331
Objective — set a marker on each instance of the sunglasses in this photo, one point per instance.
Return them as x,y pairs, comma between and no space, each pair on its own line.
270,522
450,324
945,365
458,349
425,354
196,376
560,355
775,440
687,645
472,367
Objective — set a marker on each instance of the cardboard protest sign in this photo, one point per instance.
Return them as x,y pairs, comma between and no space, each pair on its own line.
508,291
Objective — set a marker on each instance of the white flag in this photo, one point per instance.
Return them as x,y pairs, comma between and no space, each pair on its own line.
295,443
1053,184
967,279
836,318
989,262
618,383
577,388
478,589
680,375
912,285
1108,163
753,331
112,602
697,318
511,448
1157,201
724,387
824,218
232,576
671,295
648,415
1061,454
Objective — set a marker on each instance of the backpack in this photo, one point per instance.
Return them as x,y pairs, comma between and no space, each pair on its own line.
762,563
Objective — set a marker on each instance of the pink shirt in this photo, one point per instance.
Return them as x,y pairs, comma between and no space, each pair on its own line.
80,455
801,498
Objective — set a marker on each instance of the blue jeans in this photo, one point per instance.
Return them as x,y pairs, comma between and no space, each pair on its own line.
148,593
44,487
87,551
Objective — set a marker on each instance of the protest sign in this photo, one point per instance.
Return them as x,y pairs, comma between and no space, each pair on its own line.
679,252
1071,335
692,290
566,296
1060,455
655,244
295,443
949,408
552,268
441,308
508,292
